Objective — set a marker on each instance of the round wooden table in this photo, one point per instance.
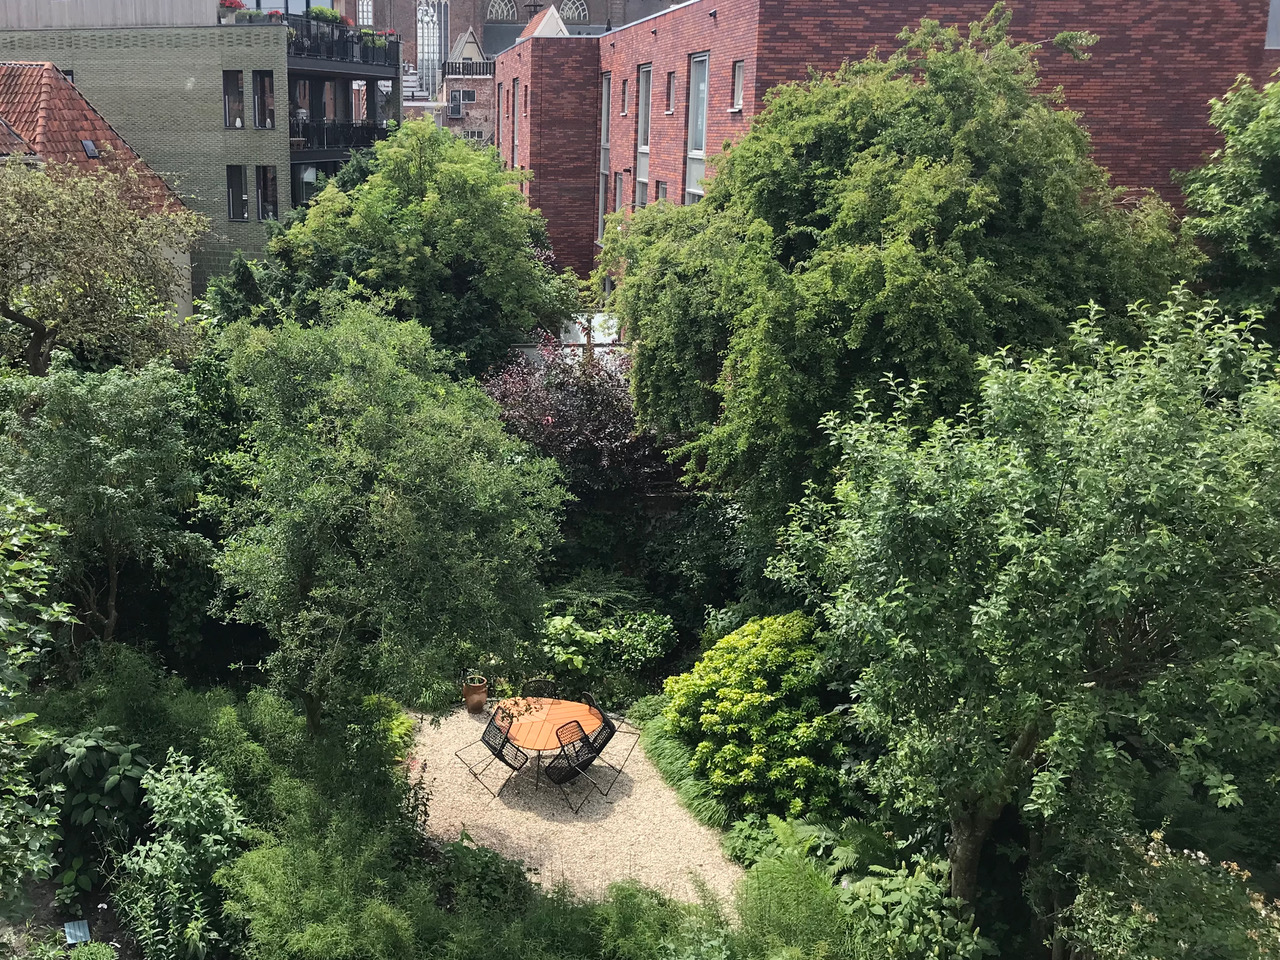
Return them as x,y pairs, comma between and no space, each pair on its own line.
534,721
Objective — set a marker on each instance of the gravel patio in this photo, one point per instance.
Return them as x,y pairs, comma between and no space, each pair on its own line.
639,831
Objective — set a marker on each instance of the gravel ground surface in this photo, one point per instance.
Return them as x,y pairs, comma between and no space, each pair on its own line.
639,831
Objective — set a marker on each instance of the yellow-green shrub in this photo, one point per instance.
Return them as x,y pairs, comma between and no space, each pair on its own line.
751,711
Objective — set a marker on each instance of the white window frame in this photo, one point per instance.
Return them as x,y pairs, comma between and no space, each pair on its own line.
739,81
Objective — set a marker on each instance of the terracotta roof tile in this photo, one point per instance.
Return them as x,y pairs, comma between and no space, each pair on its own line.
534,23
45,111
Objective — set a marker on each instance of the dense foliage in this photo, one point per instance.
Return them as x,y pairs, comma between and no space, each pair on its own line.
390,531
577,410
108,456
436,230
27,815
1069,589
752,712
89,265
906,215
1235,201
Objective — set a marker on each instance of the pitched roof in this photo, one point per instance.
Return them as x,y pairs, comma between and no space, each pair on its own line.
11,144
460,46
546,23
45,111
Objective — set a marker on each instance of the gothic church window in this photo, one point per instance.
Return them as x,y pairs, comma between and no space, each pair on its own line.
574,11
502,11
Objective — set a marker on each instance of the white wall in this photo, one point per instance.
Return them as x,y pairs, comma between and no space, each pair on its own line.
46,14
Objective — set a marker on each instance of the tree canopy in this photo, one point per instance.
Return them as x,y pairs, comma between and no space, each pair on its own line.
88,265
390,530
1234,201
107,455
905,215
1064,591
434,229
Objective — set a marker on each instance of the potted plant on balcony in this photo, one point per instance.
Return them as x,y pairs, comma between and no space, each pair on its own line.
324,15
275,16
227,10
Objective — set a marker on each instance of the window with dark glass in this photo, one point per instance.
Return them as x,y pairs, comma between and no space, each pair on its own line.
264,99
267,203
468,96
237,192
233,98
660,189
644,83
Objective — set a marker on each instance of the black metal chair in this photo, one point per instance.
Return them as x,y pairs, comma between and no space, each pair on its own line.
543,687
497,741
575,756
600,738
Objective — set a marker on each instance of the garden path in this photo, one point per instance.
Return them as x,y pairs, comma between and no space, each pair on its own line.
639,831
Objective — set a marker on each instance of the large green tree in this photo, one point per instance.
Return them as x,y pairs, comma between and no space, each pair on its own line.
1234,201
905,215
435,230
390,530
107,455
89,263
1063,592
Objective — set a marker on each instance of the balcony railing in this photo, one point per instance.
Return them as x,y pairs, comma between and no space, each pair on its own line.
335,134
333,41
469,68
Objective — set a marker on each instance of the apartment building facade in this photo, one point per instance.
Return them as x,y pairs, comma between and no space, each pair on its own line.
668,91
241,119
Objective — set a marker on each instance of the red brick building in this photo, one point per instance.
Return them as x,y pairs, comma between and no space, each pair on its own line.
608,122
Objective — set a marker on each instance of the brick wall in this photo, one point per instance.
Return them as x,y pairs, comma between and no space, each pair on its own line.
1144,94
161,89
666,41
558,136
478,116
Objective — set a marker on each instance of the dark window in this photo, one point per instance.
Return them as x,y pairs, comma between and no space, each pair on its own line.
264,99
468,96
661,186
233,98
90,149
237,193
267,208
642,193
70,75
624,97
644,81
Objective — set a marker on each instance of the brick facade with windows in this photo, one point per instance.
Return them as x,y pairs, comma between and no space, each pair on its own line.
1143,95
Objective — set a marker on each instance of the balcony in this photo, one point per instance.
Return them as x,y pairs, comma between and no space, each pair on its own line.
469,68
315,40
334,134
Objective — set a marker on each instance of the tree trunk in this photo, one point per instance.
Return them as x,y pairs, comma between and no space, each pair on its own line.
969,830
39,349
113,582
311,706
968,834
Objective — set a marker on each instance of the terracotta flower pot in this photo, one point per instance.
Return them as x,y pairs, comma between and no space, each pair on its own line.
475,691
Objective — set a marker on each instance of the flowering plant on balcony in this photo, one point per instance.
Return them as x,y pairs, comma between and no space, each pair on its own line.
231,4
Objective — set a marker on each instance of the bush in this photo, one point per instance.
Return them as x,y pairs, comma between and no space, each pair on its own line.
617,660
325,15
751,713
94,951
166,893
